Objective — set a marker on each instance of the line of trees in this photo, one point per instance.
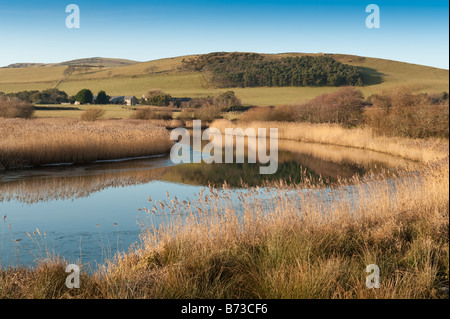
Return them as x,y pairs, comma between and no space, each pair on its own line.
49,96
255,70
85,96
55,96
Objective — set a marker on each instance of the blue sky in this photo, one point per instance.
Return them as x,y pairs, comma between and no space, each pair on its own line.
35,31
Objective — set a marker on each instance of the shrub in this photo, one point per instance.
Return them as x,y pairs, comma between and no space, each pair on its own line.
399,112
207,113
92,114
152,114
282,113
197,102
260,114
226,101
345,106
157,98
15,108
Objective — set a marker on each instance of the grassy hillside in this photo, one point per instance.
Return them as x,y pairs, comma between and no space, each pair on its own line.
137,78
106,62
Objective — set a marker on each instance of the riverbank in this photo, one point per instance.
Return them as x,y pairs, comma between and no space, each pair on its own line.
36,142
303,241
423,150
276,242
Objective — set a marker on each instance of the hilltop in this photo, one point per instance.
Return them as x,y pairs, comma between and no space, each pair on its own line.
93,62
125,77
24,65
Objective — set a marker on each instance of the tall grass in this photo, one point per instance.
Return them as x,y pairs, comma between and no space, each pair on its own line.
277,242
424,150
280,241
46,141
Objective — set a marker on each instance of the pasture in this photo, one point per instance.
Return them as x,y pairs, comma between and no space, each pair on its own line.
165,74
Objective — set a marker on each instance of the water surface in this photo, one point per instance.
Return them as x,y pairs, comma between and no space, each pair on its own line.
87,213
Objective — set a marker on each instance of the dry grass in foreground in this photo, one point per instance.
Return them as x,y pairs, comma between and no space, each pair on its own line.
423,150
277,242
36,142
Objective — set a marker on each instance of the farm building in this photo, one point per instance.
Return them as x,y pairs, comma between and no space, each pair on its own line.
117,100
131,100
128,100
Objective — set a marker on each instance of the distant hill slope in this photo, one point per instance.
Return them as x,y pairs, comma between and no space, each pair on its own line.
106,62
136,78
24,65
95,62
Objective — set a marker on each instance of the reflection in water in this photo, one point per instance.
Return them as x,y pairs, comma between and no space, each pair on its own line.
30,186
296,160
78,206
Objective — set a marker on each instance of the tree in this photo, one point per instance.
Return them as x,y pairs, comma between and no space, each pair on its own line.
84,96
52,96
72,99
102,98
157,97
227,100
49,96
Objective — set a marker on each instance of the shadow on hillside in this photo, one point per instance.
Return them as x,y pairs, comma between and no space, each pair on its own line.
371,76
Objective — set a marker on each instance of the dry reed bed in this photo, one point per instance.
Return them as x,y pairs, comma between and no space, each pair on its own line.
277,242
282,241
364,138
47,141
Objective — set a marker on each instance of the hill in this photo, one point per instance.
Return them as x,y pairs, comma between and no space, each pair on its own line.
24,65
105,62
94,62
168,75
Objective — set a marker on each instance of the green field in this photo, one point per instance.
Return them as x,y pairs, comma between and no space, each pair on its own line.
138,78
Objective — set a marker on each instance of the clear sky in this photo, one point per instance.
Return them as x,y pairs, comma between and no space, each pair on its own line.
35,31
